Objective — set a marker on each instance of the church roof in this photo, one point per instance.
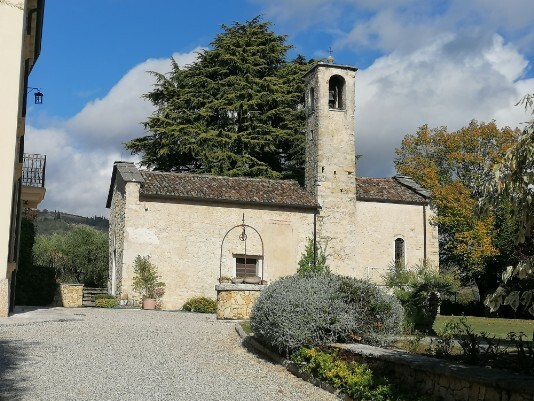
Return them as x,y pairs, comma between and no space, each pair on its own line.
199,187
226,189
399,189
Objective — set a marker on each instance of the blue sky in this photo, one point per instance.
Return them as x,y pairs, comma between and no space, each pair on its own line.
420,62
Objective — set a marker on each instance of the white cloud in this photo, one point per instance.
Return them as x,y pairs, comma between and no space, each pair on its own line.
81,151
390,25
443,63
438,85
117,117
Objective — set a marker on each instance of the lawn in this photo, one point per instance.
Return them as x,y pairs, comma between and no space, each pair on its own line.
494,326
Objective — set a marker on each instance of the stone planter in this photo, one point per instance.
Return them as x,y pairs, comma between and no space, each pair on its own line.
252,280
71,295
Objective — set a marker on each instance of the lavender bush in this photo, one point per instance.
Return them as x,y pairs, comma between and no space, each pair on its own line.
320,309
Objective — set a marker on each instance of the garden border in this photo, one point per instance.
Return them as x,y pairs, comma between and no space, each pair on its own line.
445,380
249,340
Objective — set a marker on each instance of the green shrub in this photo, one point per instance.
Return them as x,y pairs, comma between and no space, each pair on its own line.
106,302
310,263
312,310
354,379
443,344
200,305
419,289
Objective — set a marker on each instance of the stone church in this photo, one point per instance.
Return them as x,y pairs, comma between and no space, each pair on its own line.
197,228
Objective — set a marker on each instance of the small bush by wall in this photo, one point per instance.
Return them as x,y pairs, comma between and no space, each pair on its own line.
352,378
105,301
200,305
312,310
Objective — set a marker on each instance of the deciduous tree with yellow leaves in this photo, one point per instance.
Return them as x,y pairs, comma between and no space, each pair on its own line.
455,166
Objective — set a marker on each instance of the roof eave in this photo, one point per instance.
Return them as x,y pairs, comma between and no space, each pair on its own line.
397,201
231,201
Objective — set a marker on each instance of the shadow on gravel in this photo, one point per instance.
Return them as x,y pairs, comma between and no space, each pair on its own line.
260,351
11,354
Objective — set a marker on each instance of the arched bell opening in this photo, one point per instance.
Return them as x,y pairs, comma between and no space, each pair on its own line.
336,92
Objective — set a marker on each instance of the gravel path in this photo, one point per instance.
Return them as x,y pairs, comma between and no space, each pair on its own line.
139,356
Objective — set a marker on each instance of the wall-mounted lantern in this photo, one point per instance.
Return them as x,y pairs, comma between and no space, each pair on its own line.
38,95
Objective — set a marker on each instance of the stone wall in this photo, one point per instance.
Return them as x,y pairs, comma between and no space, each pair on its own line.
443,380
331,165
183,239
72,295
116,237
379,224
235,301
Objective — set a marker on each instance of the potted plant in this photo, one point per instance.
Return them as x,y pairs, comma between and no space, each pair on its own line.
224,279
147,281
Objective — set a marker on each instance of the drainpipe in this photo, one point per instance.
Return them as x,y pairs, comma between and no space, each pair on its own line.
424,234
315,239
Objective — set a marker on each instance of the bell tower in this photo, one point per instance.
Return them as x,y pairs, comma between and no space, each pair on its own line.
331,159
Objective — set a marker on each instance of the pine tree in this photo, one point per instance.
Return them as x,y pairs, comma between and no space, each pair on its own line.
236,111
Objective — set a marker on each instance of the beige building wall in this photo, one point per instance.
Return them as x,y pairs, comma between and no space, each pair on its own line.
379,224
184,241
11,127
331,162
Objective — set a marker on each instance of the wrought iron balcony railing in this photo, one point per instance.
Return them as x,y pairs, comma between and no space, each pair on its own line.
33,170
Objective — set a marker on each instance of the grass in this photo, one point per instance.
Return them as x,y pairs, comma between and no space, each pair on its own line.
497,327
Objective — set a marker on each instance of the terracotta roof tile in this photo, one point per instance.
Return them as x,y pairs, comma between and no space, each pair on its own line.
226,189
387,190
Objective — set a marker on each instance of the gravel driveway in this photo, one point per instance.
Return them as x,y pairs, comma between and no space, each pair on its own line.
132,355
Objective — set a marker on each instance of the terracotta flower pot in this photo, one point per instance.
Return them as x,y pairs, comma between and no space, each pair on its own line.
149,303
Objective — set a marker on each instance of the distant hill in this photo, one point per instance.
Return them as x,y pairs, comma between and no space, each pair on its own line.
54,221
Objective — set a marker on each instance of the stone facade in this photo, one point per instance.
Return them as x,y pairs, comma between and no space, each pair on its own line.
379,224
331,160
235,301
184,238
72,295
116,236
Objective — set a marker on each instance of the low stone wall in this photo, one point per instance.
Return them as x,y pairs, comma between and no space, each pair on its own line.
443,380
235,301
71,295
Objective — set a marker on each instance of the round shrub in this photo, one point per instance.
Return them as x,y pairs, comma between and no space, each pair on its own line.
200,305
321,309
